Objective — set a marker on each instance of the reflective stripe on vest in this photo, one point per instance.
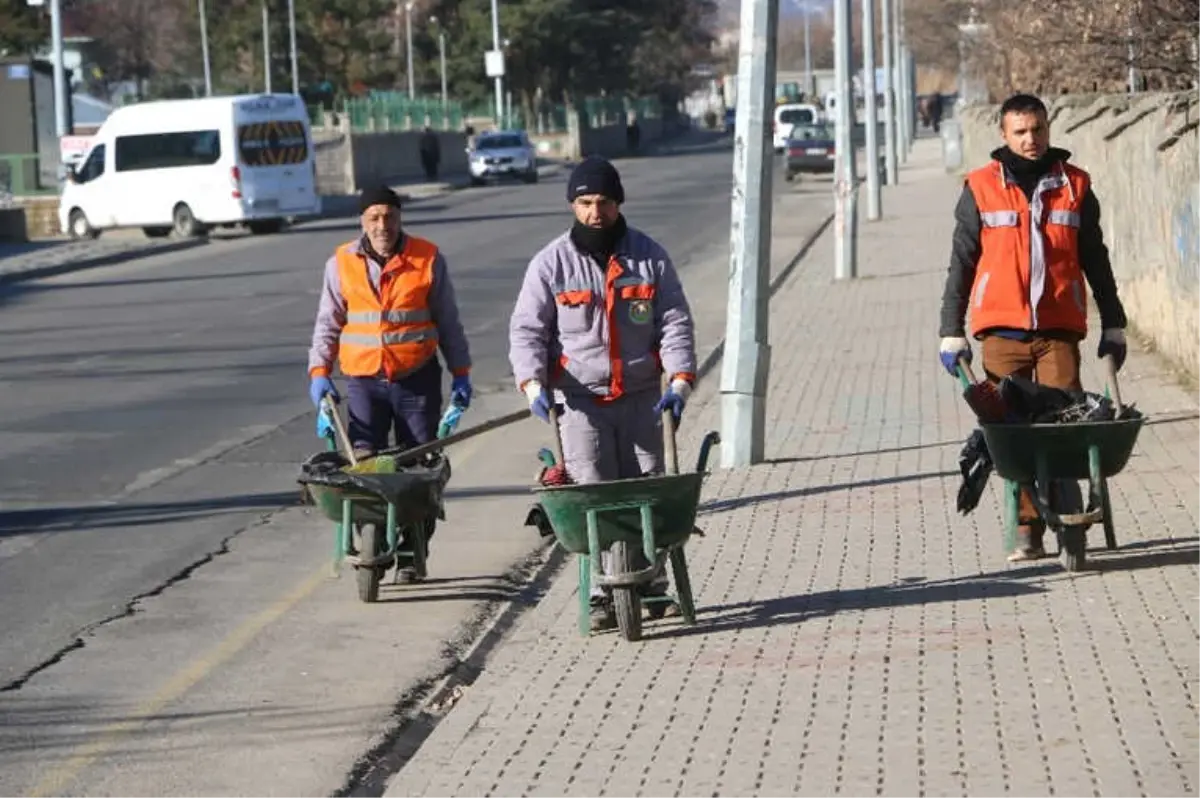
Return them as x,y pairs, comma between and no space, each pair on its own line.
390,332
1028,276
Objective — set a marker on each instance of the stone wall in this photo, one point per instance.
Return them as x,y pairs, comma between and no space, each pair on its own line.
1144,158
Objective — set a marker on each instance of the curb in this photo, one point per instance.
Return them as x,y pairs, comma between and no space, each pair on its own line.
110,259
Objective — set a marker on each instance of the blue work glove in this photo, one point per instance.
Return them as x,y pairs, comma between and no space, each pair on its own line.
951,350
539,400
1112,342
324,425
675,398
319,387
461,391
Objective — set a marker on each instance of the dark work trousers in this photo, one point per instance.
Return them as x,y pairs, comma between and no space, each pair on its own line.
409,407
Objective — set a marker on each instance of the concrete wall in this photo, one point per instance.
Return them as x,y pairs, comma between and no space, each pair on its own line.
12,225
346,162
1144,158
609,140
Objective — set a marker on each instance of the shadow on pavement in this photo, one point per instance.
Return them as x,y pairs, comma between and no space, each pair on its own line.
724,505
60,519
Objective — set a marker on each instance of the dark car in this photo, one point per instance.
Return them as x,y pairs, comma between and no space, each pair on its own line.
810,149
730,119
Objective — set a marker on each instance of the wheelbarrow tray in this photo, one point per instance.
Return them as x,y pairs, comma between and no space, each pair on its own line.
673,499
415,488
1015,448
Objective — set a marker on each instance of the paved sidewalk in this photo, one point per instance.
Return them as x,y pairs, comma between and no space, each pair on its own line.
856,635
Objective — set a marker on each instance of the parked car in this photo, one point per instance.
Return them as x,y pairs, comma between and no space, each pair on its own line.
502,154
810,149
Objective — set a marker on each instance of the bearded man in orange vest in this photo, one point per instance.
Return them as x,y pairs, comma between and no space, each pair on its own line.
1027,236
387,306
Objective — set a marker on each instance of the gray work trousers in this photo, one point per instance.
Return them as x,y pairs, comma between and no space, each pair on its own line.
604,442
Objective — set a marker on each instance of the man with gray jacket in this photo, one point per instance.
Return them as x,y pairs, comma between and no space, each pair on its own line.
600,317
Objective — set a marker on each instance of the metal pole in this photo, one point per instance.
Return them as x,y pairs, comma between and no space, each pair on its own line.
442,60
496,48
266,23
1133,73
292,44
747,358
204,50
874,194
889,95
808,81
408,7
899,81
60,74
910,69
845,218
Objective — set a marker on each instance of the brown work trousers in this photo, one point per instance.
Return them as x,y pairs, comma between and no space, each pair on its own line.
1053,362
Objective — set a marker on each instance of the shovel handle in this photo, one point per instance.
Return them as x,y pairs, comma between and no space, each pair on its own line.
670,447
556,434
966,374
329,406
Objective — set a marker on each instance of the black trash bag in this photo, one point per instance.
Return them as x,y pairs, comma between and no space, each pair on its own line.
1031,403
975,462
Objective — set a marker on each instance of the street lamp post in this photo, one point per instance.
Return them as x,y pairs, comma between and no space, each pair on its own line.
496,48
266,23
204,50
292,44
442,64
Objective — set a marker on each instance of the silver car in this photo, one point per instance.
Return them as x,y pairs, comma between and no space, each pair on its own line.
502,154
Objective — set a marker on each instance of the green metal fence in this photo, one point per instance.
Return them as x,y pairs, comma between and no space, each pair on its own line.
24,176
394,111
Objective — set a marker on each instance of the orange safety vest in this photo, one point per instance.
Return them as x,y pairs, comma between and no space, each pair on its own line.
391,333
1028,276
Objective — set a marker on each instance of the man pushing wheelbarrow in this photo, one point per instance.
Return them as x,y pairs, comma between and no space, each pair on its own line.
600,317
1027,237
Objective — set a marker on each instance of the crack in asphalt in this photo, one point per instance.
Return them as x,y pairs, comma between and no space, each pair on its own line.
131,607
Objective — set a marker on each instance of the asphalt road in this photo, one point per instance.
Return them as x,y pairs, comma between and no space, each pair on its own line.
161,590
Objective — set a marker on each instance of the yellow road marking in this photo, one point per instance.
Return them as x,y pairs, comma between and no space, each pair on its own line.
57,780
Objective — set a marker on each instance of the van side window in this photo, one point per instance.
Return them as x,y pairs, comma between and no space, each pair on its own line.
166,150
93,167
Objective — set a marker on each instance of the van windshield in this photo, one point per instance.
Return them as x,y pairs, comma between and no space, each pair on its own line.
272,143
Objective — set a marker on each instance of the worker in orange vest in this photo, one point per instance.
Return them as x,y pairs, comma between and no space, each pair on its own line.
387,306
1027,236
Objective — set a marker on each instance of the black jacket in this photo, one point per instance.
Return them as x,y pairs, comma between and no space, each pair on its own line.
964,255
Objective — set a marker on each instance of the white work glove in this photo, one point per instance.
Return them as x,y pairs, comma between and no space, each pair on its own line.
539,400
951,350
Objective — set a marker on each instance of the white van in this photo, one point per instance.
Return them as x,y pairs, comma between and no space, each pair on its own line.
787,116
184,166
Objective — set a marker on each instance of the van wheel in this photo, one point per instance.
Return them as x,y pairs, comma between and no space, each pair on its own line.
184,223
156,232
79,226
265,227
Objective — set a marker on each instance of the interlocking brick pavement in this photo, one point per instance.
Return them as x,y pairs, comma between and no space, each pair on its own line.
857,636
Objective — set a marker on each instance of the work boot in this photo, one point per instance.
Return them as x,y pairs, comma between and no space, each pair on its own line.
657,610
603,616
1029,542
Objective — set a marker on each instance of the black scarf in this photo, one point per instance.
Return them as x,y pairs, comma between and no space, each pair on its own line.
599,242
1028,173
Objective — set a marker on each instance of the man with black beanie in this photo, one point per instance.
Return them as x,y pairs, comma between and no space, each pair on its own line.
387,307
601,316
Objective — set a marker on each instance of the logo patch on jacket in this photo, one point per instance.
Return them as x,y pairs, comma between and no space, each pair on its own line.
641,311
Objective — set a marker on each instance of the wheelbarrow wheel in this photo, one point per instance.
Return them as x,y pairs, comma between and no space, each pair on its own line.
369,577
626,602
1072,541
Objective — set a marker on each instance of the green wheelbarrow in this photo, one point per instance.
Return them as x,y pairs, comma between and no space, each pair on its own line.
1039,457
656,514
371,502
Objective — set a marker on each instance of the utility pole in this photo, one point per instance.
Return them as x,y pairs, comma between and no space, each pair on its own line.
845,220
808,79
292,44
889,95
60,74
442,63
266,23
900,80
499,77
408,7
747,358
874,194
204,50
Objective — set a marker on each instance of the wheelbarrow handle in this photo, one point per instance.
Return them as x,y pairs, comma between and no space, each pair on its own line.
328,405
1110,365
